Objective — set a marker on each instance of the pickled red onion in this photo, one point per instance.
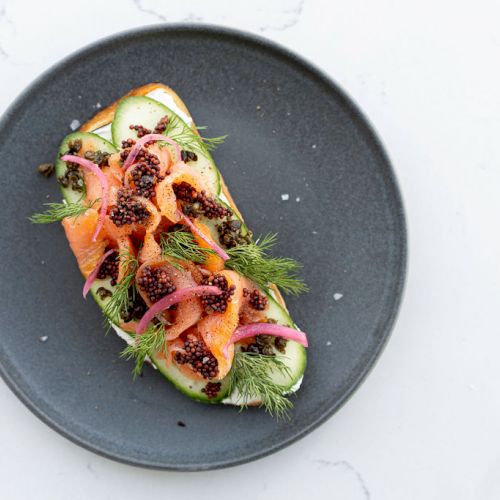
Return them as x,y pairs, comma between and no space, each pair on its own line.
216,248
103,181
93,275
254,329
174,298
145,139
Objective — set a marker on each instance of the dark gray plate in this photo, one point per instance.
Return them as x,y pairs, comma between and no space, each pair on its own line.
291,131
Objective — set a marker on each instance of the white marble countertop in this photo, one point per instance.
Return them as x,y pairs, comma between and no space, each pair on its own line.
425,424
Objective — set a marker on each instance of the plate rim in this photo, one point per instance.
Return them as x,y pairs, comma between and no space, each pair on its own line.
354,109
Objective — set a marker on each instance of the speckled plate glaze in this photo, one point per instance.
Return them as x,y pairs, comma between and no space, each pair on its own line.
292,132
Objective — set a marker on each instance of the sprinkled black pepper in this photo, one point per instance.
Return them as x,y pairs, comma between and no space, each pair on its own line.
156,283
199,357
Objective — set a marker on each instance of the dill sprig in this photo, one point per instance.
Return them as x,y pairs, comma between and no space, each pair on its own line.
124,292
250,377
59,211
149,342
189,140
252,260
182,245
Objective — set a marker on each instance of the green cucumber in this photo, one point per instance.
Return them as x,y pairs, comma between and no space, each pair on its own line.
191,388
145,111
92,143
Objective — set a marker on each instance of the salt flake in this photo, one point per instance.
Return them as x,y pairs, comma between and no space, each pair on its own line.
285,197
74,125
337,296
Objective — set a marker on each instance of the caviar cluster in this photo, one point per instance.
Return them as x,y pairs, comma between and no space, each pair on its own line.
196,204
199,357
145,177
128,210
156,283
230,233
212,389
217,303
265,344
256,299
73,177
109,268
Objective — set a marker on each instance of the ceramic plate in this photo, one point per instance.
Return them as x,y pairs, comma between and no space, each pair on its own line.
300,159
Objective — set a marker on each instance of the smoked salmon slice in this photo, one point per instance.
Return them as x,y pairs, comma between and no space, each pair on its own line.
216,328
79,231
165,195
188,312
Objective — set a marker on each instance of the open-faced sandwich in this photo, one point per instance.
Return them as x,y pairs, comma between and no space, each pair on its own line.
168,258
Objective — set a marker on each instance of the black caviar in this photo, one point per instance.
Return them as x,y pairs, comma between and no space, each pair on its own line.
145,177
199,203
217,303
212,389
161,126
109,268
156,283
128,210
141,131
199,357
257,300
231,233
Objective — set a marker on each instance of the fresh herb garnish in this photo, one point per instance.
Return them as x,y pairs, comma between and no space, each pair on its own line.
250,377
253,261
189,140
121,299
151,341
182,245
59,211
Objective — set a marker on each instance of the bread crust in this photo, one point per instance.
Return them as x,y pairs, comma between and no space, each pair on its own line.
106,116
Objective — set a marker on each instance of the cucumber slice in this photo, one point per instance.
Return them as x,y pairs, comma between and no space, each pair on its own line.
140,110
191,388
90,142
295,354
